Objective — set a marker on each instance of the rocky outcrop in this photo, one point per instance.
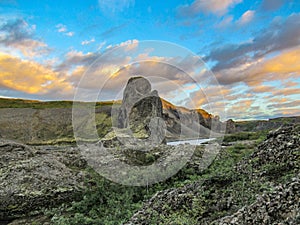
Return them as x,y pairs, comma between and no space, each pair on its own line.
32,178
280,150
185,123
163,202
230,126
279,207
139,104
274,164
139,116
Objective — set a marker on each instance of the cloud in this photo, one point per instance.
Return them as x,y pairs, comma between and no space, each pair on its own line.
280,35
15,30
246,17
101,45
115,6
218,7
286,92
225,22
271,5
30,77
116,66
127,45
262,89
282,67
61,28
151,67
70,34
214,99
18,34
32,48
76,58
285,105
286,112
87,42
289,107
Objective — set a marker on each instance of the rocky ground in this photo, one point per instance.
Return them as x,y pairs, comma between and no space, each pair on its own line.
34,178
262,188
273,167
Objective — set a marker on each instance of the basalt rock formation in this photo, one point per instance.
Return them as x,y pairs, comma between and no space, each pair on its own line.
139,116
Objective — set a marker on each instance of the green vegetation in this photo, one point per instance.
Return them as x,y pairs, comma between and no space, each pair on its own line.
104,203
21,103
223,190
108,203
242,136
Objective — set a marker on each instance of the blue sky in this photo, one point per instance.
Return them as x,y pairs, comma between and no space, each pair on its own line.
252,49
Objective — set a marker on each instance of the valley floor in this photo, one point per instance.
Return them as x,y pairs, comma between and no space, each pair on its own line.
249,182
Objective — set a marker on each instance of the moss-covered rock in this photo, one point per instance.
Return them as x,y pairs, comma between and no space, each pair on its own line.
32,179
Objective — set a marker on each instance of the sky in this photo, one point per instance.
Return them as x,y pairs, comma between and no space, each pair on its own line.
239,59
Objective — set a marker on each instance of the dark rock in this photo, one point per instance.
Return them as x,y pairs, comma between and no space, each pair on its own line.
32,179
230,126
139,116
280,205
139,103
281,147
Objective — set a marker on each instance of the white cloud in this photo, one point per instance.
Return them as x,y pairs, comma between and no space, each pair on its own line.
70,34
87,42
101,45
246,17
61,28
115,5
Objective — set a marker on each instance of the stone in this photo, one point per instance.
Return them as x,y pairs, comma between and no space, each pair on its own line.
139,116
279,205
32,178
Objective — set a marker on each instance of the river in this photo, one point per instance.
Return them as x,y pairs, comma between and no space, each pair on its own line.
192,142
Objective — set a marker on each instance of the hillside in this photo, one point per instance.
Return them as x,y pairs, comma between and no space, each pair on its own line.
37,122
245,185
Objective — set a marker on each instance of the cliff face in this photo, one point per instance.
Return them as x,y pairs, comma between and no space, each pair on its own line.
180,120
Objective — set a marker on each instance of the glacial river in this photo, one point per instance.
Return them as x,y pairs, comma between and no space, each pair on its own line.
192,142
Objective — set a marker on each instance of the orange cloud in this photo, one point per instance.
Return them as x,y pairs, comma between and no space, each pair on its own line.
29,77
287,62
279,68
262,89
